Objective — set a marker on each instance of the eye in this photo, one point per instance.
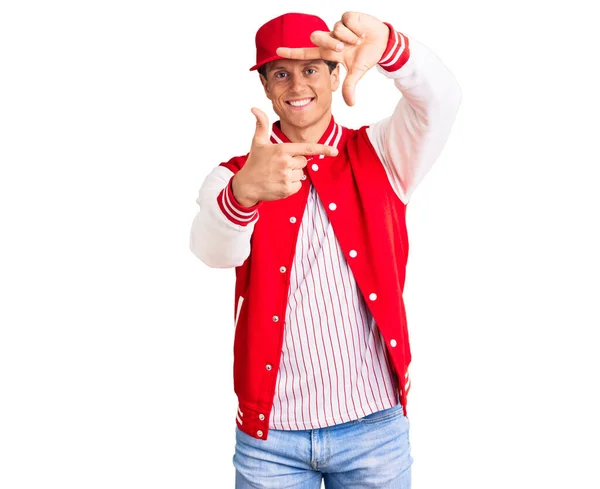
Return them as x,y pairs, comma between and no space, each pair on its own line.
312,70
280,74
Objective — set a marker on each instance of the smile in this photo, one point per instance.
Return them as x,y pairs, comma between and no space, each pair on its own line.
300,103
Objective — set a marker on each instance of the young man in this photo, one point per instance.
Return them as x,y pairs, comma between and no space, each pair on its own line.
313,220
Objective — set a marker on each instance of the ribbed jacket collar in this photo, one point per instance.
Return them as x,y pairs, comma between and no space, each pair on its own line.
331,136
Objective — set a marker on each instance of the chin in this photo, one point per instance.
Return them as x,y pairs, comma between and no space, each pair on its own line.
302,120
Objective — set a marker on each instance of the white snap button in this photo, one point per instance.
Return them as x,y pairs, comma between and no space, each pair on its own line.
303,177
315,167
353,253
261,417
275,319
293,220
259,433
268,367
332,206
393,343
372,296
282,269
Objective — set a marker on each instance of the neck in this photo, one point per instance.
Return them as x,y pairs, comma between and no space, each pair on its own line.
310,134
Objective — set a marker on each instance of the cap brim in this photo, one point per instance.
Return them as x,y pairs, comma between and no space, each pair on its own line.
272,58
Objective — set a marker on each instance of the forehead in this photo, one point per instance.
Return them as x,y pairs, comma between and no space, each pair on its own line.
290,64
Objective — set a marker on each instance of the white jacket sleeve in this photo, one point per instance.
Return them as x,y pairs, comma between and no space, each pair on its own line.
409,142
222,229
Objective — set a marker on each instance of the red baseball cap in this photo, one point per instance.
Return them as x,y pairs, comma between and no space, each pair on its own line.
291,30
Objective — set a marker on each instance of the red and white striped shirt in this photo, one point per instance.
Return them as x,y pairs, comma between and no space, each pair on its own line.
334,366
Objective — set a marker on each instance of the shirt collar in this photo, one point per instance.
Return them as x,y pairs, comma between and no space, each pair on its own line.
331,136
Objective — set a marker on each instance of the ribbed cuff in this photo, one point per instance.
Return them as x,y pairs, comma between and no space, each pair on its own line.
236,213
396,53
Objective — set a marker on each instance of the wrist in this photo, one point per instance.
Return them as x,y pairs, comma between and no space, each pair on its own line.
232,210
240,194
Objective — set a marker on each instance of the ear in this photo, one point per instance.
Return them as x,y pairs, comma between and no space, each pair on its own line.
335,78
265,85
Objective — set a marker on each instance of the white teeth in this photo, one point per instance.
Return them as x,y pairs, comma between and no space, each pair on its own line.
300,103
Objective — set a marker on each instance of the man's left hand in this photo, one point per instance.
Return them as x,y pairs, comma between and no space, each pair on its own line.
357,41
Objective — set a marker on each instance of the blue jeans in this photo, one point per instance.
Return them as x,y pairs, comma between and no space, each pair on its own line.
370,452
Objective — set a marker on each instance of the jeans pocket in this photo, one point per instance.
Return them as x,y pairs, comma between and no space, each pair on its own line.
384,414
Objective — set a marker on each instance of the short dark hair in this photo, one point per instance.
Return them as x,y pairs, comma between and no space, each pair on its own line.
332,64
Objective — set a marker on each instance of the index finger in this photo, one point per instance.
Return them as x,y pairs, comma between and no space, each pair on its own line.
308,149
299,53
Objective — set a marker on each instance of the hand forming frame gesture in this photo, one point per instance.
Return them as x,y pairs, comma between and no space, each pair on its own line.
357,41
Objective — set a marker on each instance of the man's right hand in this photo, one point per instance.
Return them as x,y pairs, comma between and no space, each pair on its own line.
273,171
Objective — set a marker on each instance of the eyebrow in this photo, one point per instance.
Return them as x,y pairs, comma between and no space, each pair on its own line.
306,63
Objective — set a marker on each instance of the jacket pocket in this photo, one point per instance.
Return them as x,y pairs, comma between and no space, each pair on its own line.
238,310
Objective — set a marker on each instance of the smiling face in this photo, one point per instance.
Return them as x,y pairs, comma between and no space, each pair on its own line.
300,90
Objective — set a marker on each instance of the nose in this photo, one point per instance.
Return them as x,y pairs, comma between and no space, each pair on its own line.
297,84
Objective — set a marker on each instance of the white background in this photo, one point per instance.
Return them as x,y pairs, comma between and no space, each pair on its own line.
116,341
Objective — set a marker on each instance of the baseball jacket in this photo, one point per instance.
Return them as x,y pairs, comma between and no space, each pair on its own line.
365,190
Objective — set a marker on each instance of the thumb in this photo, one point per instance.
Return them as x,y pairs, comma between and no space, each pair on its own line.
349,87
261,135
